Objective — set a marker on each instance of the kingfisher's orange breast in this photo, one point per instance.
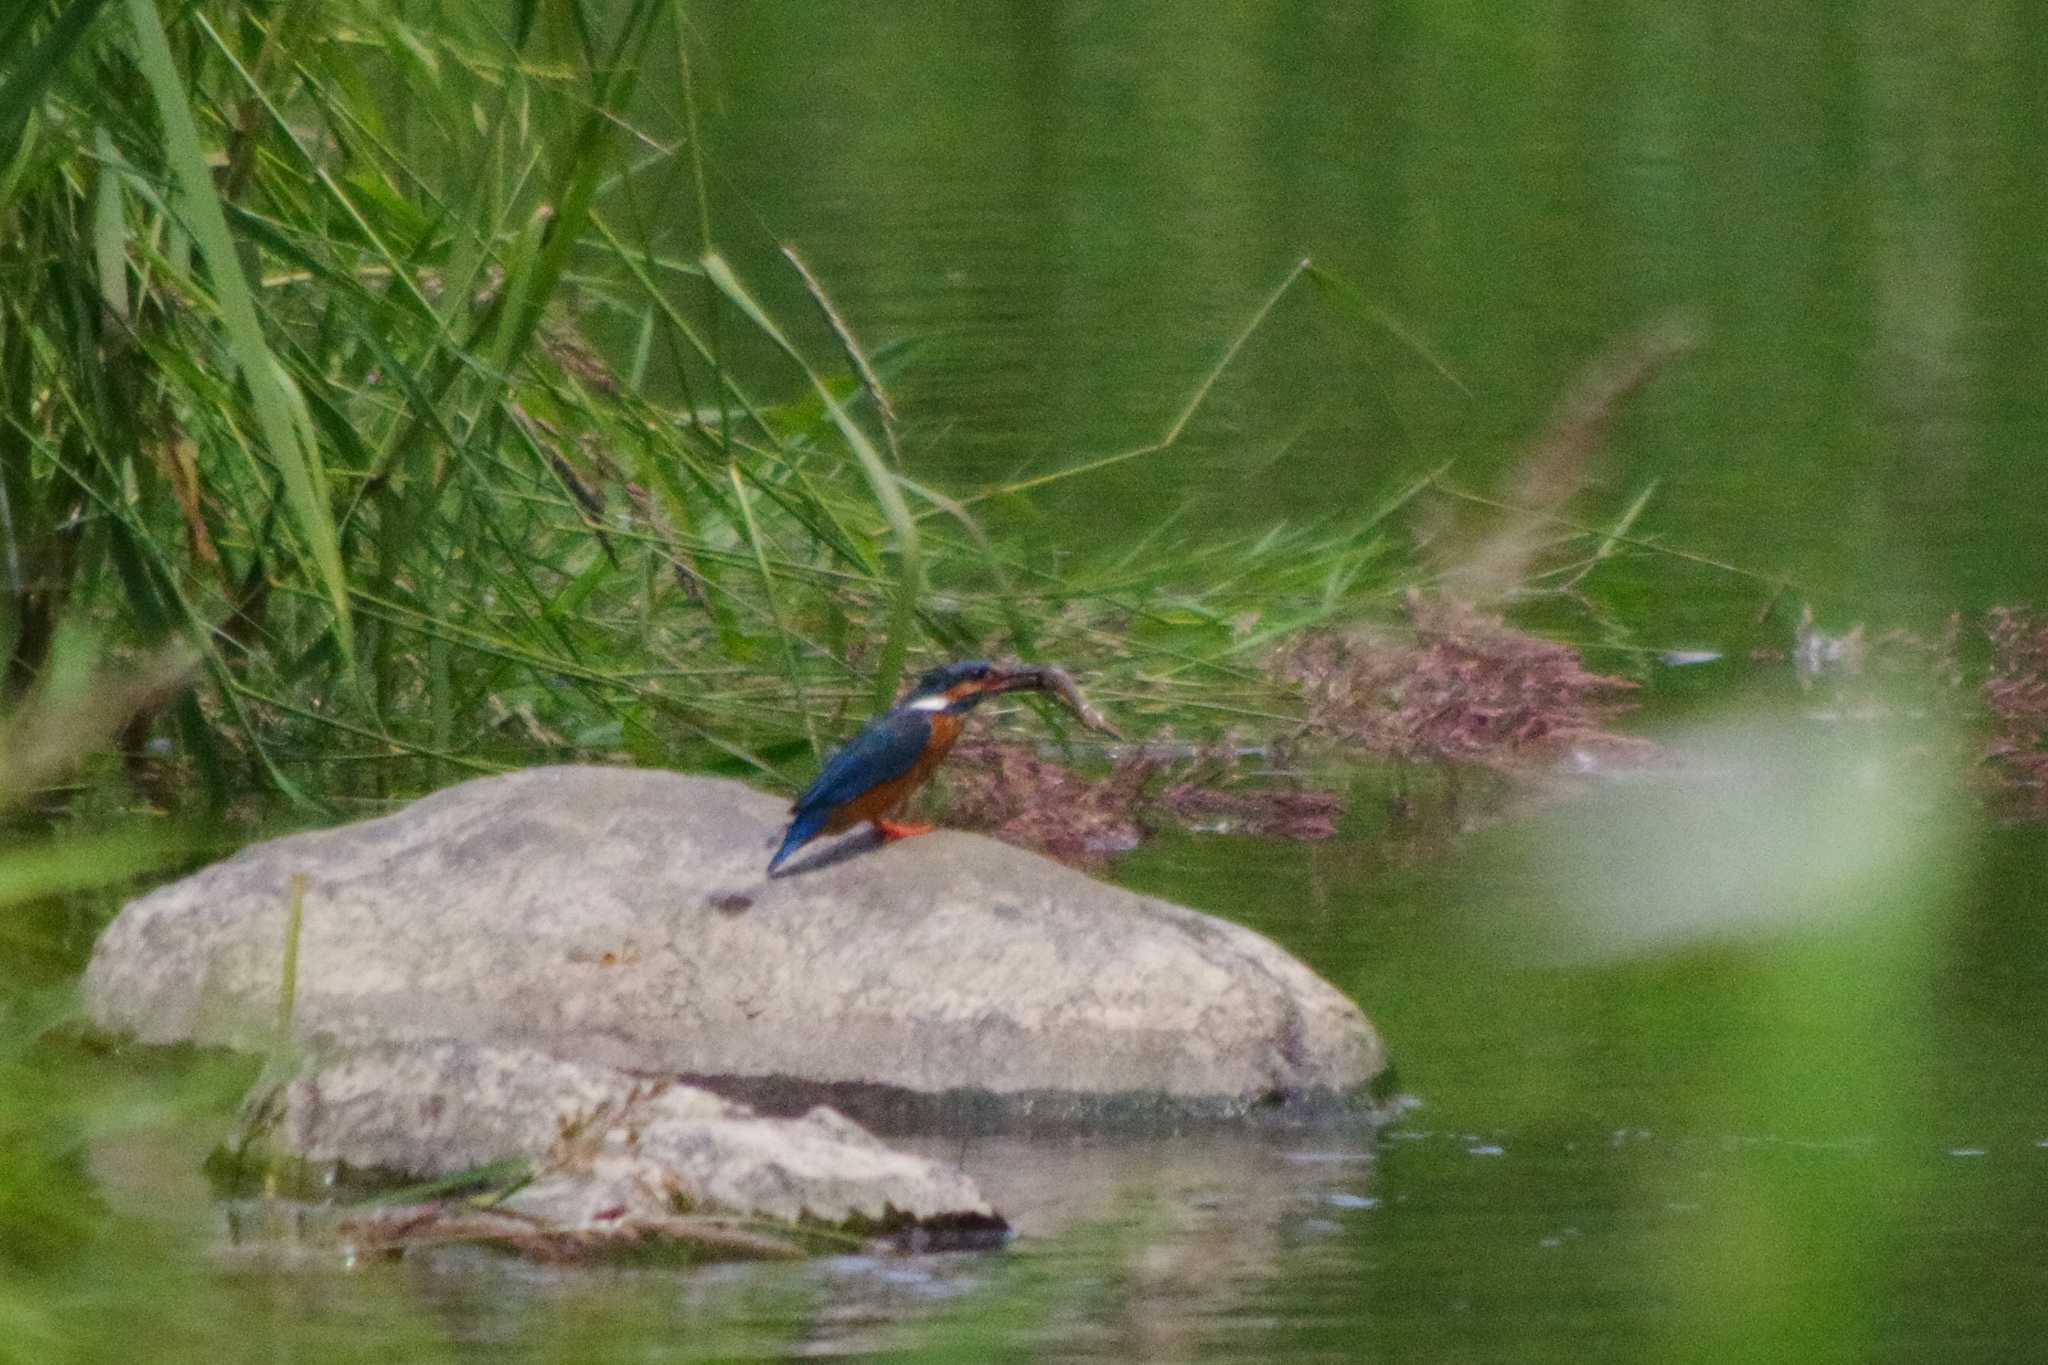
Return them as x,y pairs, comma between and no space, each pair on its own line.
879,800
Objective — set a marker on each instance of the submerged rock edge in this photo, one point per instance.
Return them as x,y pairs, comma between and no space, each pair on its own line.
615,1162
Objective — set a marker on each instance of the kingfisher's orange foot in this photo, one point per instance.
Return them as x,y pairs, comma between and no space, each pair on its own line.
893,830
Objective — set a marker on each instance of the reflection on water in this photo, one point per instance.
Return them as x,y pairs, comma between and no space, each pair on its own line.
1573,1242
1073,205
1134,1248
1743,1120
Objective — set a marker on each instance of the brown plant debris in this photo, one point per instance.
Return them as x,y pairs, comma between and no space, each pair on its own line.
1461,686
2015,693
1561,459
1458,685
1009,790
1556,464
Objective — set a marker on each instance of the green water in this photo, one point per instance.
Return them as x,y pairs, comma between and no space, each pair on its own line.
1811,1124
1807,1122
1078,204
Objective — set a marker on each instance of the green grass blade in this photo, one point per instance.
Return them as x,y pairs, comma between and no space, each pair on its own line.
881,483
1353,299
1198,396
783,630
109,230
270,388
28,79
77,862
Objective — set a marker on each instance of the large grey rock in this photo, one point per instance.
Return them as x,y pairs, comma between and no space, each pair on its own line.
622,917
605,1145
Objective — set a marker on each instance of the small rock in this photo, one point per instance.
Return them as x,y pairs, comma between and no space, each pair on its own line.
619,1162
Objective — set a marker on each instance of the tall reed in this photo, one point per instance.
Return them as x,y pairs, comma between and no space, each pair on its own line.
301,374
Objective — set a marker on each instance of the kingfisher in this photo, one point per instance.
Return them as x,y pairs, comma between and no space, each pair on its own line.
876,772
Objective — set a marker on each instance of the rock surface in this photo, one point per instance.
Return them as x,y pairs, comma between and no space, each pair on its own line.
606,1146
621,917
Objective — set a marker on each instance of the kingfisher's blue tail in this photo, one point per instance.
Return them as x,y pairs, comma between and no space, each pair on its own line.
802,830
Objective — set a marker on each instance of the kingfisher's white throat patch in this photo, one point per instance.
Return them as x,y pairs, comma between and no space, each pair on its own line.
938,703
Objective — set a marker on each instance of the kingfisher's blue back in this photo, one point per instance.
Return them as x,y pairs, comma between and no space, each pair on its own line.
886,750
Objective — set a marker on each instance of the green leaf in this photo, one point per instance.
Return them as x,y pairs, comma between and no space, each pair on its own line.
109,230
